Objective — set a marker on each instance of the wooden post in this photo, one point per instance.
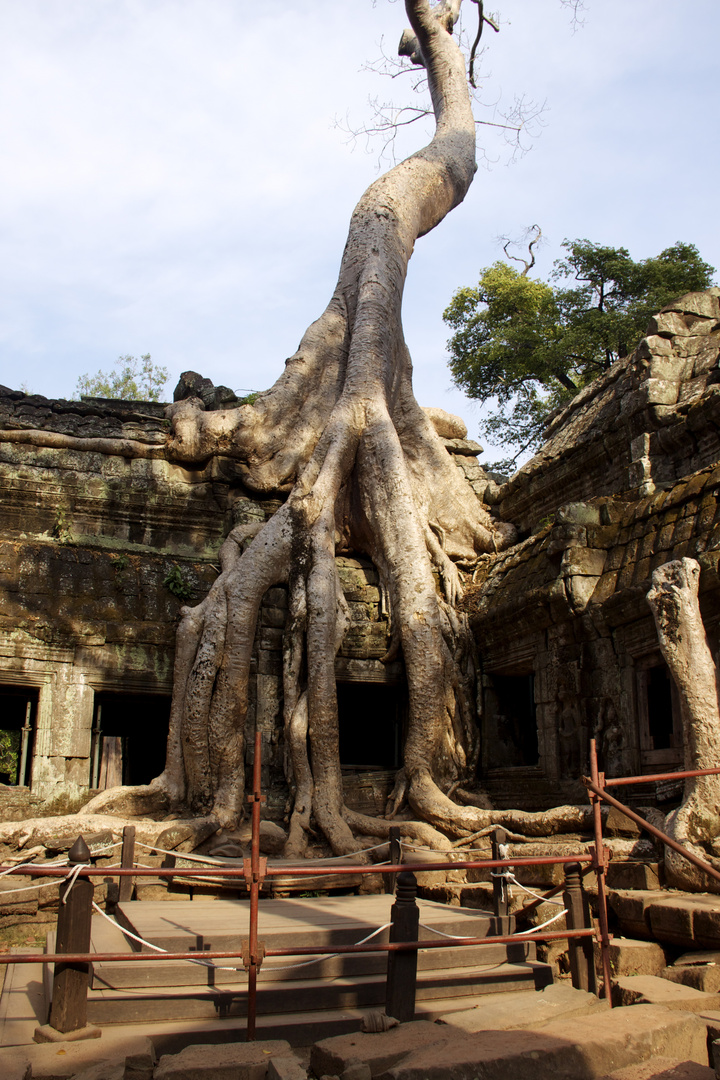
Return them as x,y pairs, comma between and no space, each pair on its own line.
70,981
600,866
254,950
580,950
127,862
96,748
25,746
402,965
395,856
501,898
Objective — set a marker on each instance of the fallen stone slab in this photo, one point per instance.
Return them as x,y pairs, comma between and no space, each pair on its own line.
562,1050
651,990
380,1050
106,1070
630,956
286,1067
525,1009
663,1069
685,919
704,977
59,1061
236,1061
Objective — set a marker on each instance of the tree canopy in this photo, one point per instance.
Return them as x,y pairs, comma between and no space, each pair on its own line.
132,380
529,346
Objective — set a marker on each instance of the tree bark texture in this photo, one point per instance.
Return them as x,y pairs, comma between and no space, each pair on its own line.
673,599
341,435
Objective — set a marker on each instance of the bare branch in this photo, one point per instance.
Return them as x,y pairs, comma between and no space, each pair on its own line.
527,263
482,19
577,8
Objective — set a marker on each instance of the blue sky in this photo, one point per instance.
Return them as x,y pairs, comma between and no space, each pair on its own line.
173,183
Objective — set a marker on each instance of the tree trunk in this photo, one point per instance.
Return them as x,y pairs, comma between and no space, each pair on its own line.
673,599
340,433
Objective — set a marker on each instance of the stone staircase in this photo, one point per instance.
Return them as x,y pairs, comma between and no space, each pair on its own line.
336,990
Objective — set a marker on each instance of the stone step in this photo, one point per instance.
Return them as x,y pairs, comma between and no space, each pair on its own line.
653,990
109,937
687,920
323,921
362,991
145,973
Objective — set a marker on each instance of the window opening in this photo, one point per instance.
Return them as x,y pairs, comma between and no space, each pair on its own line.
18,715
659,723
129,738
371,719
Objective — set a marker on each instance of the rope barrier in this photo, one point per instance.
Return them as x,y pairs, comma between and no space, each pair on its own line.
234,862
218,967
538,896
21,866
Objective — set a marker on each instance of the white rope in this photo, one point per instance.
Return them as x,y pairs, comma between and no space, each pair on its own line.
72,878
31,866
157,948
60,862
534,929
452,937
28,888
538,896
186,855
218,967
234,862
325,956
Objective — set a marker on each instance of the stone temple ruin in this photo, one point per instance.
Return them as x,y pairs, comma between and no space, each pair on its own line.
103,539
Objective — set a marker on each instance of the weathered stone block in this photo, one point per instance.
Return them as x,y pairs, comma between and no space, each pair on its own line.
631,957
668,323
633,875
652,990
700,976
666,367
652,346
236,1061
672,919
286,1068
380,1050
704,304
660,391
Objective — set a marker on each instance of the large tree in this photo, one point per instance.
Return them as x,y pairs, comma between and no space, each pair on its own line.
530,346
362,469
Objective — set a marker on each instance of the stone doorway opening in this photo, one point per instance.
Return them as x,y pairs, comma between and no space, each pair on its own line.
129,738
371,717
510,728
18,716
659,721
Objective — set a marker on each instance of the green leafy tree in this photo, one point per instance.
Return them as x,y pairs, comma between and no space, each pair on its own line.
528,346
131,380
9,755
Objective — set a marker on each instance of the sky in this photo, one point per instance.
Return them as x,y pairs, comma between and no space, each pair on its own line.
174,180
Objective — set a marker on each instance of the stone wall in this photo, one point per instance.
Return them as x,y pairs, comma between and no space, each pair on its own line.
652,418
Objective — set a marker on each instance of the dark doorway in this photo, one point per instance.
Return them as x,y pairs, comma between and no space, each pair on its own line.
660,708
511,737
129,738
659,722
18,715
371,719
